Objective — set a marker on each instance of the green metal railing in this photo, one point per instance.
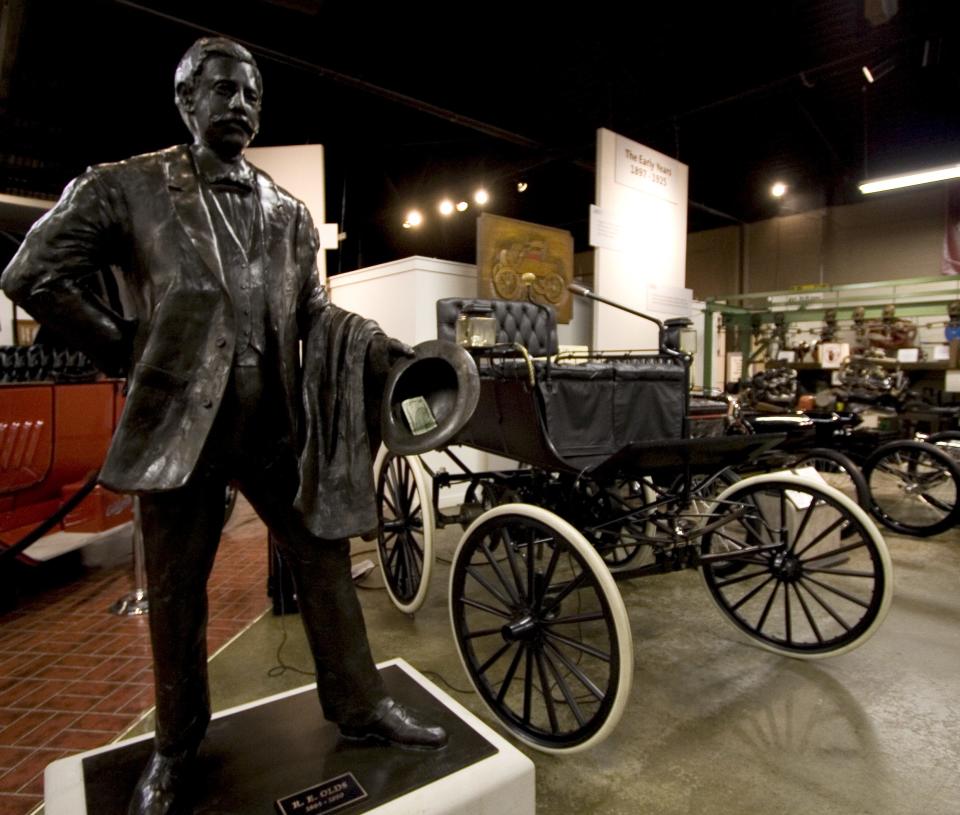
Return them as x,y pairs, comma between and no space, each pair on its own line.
912,296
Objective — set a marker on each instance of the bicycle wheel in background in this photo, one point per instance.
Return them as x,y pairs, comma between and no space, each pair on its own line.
914,487
948,441
839,471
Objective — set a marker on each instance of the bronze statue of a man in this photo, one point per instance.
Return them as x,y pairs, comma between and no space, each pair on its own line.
219,265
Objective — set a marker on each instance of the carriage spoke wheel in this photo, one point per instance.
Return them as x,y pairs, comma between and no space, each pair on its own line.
915,487
541,628
821,586
609,524
838,471
405,534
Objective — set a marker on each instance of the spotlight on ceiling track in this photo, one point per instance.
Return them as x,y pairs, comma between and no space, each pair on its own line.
414,219
896,182
446,207
522,186
778,189
481,197
462,206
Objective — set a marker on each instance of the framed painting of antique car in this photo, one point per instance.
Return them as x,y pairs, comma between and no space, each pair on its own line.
508,249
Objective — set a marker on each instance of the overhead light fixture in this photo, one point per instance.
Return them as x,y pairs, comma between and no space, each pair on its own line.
481,197
446,207
462,206
896,182
778,189
878,71
522,186
414,218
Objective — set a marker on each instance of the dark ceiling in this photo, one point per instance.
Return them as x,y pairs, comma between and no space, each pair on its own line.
415,101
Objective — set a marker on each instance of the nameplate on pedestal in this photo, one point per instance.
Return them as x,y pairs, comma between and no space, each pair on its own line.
327,796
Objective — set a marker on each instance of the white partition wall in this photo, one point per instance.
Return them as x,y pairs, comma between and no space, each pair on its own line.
299,170
17,215
7,336
402,295
639,229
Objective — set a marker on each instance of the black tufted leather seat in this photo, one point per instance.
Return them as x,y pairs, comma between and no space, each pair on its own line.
40,363
518,321
587,411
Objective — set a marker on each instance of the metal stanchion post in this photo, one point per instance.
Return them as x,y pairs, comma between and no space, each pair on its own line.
135,602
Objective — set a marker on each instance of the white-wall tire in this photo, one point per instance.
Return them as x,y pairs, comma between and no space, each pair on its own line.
405,533
508,608
829,588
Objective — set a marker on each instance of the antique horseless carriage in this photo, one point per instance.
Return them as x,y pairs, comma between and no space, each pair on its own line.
609,486
910,485
57,417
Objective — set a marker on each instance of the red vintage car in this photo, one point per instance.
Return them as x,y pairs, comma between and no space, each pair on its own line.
57,416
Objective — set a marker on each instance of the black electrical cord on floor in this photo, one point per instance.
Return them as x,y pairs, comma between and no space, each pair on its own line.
440,677
282,667
360,585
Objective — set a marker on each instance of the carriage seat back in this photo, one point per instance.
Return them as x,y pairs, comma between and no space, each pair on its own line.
518,321
595,409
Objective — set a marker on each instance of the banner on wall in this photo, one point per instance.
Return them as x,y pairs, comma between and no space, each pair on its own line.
649,171
638,227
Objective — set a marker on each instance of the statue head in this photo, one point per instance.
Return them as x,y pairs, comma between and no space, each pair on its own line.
218,90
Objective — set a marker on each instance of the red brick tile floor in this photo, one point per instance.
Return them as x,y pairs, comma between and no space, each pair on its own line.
74,676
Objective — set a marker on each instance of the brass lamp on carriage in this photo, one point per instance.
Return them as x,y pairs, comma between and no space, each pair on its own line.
476,326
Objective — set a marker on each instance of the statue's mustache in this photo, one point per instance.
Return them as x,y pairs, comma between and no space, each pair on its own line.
233,119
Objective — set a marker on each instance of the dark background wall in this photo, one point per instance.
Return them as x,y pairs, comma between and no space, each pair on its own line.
898,235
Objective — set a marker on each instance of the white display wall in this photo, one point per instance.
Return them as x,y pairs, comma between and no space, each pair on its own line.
18,213
639,229
299,170
402,295
6,321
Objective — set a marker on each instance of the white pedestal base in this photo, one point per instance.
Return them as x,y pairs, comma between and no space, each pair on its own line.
502,783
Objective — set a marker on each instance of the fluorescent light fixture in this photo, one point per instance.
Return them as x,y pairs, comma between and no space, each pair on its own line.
895,182
878,71
446,207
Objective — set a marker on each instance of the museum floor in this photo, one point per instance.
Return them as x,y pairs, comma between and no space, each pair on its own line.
714,724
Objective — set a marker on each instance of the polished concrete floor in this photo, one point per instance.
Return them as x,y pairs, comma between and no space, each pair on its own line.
714,724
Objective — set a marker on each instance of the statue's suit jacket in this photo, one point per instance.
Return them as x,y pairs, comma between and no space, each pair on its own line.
147,217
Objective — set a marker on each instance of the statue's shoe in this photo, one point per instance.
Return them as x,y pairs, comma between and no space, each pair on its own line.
394,724
163,786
